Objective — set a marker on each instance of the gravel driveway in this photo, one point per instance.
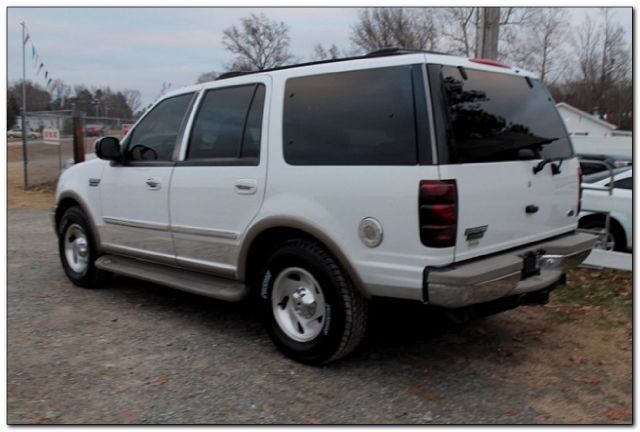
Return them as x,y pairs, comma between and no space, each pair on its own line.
135,352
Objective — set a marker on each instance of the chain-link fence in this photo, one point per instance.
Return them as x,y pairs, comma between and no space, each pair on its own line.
49,139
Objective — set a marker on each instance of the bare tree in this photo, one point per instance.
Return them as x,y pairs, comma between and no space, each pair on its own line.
259,43
458,28
322,53
614,57
133,98
207,76
411,28
602,81
539,46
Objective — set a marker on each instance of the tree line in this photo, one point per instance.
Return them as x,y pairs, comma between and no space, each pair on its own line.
93,102
587,65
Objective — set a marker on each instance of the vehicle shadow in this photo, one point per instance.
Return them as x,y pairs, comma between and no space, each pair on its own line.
395,328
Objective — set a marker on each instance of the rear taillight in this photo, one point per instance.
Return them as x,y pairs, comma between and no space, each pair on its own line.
438,213
579,207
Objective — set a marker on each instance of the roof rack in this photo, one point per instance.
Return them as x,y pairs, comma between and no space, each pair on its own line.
377,53
232,74
398,51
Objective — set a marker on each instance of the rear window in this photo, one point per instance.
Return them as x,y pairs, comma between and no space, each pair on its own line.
351,118
494,117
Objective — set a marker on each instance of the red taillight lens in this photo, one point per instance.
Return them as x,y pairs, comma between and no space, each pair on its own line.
438,192
579,207
438,213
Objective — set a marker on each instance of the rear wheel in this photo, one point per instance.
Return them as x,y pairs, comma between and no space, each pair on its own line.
77,249
311,309
614,240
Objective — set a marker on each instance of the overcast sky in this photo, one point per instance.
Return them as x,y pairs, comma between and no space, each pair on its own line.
140,48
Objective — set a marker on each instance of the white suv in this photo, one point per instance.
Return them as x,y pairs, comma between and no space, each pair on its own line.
317,187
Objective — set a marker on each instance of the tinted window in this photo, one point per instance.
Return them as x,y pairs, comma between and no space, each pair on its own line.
496,117
154,138
219,129
626,183
350,118
251,141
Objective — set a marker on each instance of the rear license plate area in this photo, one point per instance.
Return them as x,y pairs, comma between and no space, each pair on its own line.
530,265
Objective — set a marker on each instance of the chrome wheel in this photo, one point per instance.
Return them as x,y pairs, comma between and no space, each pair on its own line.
76,249
606,241
298,305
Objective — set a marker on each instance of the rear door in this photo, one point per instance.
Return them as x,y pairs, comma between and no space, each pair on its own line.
217,189
495,128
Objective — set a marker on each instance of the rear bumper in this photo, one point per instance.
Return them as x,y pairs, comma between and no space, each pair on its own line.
498,276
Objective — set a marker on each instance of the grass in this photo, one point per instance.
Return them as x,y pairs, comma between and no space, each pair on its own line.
609,292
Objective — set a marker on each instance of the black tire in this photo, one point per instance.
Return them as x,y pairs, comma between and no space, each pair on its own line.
619,243
346,310
91,277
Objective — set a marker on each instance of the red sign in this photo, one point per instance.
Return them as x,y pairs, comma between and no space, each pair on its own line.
51,136
125,129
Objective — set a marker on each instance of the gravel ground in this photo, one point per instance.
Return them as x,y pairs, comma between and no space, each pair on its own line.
134,352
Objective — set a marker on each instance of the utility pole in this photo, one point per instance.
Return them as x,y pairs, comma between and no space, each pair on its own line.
25,157
487,31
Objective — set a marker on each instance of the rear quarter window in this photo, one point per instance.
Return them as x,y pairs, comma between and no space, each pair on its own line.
351,118
495,117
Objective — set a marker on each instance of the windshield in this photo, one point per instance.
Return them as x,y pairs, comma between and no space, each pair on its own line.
495,117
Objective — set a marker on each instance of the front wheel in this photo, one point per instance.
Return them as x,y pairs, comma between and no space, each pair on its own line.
78,250
311,309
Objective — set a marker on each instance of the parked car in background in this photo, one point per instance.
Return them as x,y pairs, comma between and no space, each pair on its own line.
17,133
590,166
95,131
619,204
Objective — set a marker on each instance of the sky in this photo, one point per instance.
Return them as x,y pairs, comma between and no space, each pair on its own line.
142,48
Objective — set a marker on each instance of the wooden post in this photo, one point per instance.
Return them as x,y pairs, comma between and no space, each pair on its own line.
78,136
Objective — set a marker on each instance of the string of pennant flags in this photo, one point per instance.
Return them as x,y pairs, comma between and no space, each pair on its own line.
38,65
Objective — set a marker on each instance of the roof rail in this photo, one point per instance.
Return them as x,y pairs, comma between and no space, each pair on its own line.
233,74
378,53
398,51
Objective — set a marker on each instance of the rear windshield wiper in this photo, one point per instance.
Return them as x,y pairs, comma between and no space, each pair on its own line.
555,169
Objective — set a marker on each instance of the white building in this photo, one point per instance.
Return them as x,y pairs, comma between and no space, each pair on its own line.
38,120
591,135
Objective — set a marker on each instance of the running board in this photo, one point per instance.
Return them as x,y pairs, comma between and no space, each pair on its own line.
185,280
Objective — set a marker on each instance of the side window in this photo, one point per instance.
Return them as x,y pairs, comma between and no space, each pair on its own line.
362,117
228,124
154,138
625,183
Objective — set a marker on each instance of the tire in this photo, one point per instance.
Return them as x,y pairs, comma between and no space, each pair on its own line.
616,239
77,249
334,323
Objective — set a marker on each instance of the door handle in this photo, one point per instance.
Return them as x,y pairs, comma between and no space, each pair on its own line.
246,186
153,183
531,208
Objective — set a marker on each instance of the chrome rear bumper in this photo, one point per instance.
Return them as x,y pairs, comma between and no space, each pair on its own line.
499,276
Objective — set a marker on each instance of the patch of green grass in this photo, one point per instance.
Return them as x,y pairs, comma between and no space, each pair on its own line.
600,289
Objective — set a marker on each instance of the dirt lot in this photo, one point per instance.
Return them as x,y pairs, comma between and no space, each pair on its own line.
134,352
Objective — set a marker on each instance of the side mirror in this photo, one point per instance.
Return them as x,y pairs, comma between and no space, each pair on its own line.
108,148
